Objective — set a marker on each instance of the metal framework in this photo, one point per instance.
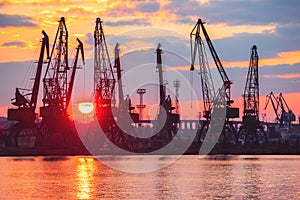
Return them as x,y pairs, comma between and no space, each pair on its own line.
251,92
197,47
208,92
250,124
284,115
226,82
56,76
56,128
104,80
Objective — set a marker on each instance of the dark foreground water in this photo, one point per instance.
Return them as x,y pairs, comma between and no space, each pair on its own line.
215,177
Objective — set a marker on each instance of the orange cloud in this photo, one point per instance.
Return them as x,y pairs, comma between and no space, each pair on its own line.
288,58
179,68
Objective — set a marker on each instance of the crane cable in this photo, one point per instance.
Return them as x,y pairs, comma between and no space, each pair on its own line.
192,86
30,71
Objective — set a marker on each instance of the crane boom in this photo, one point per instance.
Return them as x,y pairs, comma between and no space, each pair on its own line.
72,79
284,115
226,82
20,100
271,98
208,91
37,80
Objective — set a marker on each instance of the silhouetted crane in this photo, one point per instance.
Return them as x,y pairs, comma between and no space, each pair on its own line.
250,124
104,80
208,91
284,115
58,82
165,114
25,113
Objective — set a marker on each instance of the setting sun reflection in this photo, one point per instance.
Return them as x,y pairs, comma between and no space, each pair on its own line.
86,169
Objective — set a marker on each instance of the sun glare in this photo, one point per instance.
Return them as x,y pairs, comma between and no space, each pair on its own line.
86,107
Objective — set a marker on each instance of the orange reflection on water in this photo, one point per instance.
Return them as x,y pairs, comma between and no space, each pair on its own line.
86,169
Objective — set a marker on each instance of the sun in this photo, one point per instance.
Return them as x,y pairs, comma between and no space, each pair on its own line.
86,107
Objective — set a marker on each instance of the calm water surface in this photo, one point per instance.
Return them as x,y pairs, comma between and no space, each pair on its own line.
215,177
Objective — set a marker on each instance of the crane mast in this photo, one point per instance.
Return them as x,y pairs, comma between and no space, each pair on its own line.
104,81
250,122
56,76
162,92
165,101
251,92
124,104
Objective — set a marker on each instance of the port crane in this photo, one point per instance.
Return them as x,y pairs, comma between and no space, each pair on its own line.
284,115
56,126
125,117
165,114
104,82
251,126
25,113
125,105
114,127
208,92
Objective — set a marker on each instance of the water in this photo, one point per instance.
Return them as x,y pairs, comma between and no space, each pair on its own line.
215,177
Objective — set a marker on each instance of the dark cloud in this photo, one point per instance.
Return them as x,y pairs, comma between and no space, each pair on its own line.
237,47
16,20
240,12
14,43
128,22
148,7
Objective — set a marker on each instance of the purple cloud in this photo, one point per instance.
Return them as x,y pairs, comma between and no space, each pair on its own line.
16,20
14,43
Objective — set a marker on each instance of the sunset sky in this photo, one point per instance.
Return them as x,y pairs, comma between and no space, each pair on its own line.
233,25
